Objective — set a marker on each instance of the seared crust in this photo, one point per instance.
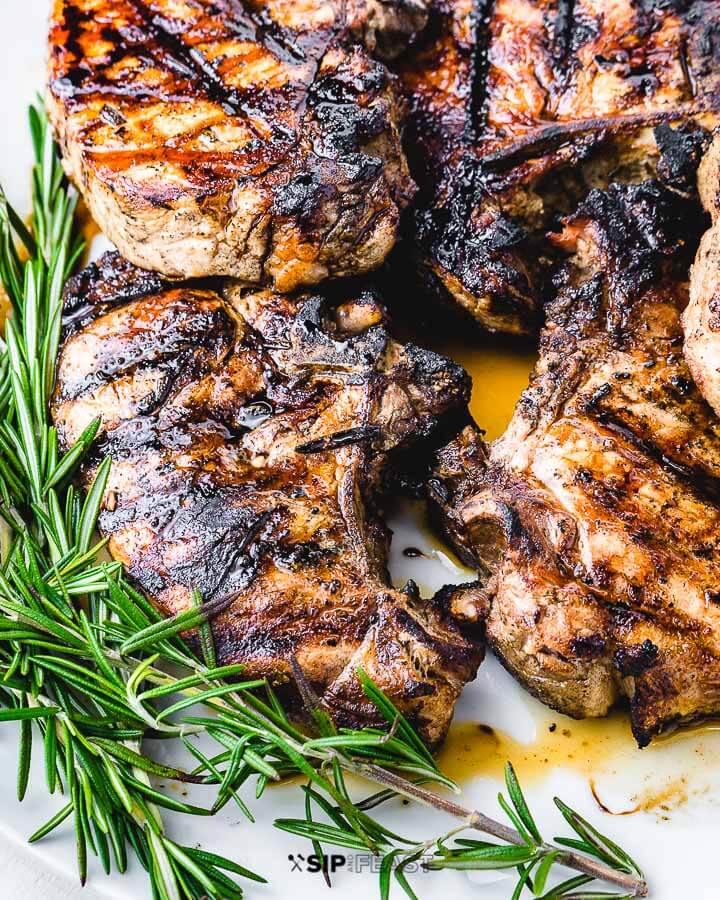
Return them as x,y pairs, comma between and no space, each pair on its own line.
518,108
238,138
595,519
249,435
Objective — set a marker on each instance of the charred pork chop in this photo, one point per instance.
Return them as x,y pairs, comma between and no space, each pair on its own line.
518,108
595,519
249,138
249,436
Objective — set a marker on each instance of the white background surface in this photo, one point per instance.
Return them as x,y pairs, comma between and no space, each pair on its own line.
677,847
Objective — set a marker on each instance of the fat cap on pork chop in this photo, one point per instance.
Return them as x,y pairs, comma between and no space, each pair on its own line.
595,518
249,436
255,139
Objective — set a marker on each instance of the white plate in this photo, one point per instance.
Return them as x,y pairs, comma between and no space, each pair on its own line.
674,835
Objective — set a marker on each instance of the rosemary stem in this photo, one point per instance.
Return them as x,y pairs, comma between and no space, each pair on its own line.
636,887
478,821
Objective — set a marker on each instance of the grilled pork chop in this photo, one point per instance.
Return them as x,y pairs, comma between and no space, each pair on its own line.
249,436
247,138
595,519
518,108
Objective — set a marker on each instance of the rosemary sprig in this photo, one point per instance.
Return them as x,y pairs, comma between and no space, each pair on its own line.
593,854
86,661
62,679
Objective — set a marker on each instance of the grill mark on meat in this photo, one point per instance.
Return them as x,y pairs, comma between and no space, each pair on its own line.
191,63
121,283
162,344
686,66
705,485
563,30
479,67
72,19
564,27
158,40
243,564
278,38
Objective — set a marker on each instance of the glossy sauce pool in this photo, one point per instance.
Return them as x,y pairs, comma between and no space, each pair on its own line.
588,747
499,372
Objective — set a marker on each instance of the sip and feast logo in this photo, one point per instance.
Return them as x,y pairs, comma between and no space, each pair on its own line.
333,862
316,862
